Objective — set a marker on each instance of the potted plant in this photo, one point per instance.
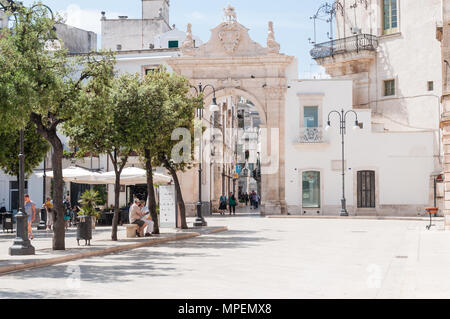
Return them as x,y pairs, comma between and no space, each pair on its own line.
87,215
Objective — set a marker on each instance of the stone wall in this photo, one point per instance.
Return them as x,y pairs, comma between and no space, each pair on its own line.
77,40
444,36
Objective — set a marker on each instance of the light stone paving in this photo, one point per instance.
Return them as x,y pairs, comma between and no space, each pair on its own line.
261,258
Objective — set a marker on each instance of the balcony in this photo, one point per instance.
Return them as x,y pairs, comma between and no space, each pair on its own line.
314,135
356,43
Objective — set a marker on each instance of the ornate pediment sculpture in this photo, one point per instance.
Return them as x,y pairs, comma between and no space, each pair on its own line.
230,37
230,34
187,48
272,45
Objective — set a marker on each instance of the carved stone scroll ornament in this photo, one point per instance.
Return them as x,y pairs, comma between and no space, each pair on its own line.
230,37
187,48
272,45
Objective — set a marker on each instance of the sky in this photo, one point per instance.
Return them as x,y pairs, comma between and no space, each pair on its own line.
292,23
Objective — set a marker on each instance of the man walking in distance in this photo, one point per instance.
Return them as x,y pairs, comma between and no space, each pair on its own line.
30,210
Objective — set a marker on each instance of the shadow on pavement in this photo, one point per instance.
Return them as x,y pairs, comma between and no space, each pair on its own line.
140,263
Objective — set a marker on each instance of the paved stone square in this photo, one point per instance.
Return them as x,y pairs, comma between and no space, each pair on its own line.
261,258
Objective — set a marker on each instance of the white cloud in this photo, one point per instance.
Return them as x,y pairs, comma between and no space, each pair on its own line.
196,15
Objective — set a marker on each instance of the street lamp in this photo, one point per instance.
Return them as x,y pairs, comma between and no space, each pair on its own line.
21,245
200,221
343,132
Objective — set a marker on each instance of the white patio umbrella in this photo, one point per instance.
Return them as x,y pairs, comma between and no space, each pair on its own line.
76,174
133,176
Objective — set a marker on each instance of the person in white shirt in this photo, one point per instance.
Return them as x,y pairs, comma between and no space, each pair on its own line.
136,217
147,219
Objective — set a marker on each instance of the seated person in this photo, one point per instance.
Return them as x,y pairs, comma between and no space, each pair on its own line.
135,217
147,219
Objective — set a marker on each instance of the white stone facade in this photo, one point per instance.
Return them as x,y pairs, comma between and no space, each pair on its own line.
403,50
402,162
126,34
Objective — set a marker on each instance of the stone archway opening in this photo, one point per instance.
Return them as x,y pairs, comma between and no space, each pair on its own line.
235,148
241,69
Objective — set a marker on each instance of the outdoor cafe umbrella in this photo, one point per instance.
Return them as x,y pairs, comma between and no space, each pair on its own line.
75,174
133,176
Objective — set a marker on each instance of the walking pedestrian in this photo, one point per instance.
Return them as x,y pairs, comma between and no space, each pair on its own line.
49,211
223,204
67,212
30,210
257,199
252,200
232,203
246,199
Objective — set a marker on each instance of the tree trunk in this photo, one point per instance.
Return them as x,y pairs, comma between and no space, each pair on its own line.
118,171
116,207
59,227
151,191
180,199
58,189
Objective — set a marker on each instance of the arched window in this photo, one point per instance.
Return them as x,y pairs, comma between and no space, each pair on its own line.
311,189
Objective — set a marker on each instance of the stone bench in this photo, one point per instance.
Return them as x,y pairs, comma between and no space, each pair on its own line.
131,230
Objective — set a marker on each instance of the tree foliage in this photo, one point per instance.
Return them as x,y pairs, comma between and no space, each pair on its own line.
35,149
45,86
182,107
105,124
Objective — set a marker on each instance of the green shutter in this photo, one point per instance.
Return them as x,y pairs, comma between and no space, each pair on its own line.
173,44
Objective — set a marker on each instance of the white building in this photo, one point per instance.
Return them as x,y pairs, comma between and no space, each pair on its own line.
151,31
390,162
387,173
389,49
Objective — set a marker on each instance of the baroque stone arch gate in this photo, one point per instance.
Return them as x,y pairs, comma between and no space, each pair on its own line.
237,66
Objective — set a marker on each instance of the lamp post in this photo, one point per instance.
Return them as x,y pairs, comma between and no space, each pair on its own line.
21,245
200,221
343,131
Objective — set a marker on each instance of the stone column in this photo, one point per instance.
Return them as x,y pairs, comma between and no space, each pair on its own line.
445,124
273,184
445,119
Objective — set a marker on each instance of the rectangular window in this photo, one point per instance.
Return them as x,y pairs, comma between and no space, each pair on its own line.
151,70
311,116
430,86
311,189
389,88
173,44
390,16
366,189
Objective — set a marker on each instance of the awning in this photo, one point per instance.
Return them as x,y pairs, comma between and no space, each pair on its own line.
75,174
129,176
134,176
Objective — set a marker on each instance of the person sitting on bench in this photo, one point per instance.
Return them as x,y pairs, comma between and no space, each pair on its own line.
135,217
147,219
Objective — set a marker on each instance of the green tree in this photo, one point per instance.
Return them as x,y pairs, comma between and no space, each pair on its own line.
105,124
45,87
181,115
35,149
152,108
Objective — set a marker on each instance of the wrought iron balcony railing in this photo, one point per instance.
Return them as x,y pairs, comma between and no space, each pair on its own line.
355,43
312,135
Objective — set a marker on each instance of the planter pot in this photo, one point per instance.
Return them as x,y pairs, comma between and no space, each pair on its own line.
84,229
